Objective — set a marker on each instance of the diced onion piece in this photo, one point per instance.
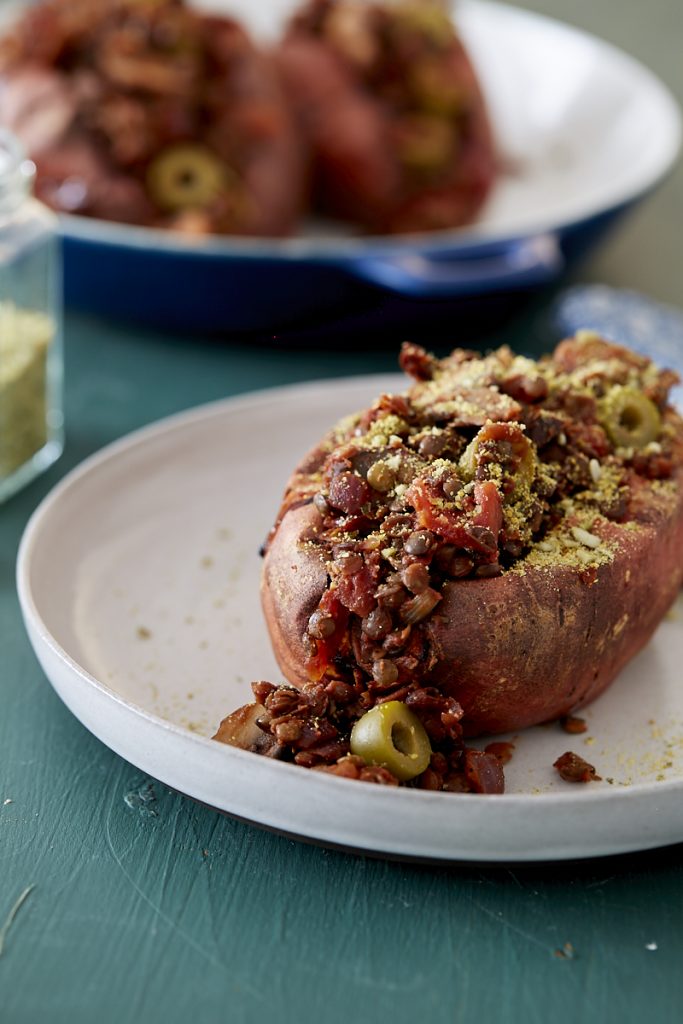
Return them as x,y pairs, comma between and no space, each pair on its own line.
589,540
420,606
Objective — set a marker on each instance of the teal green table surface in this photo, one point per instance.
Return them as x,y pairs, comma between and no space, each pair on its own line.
140,905
144,905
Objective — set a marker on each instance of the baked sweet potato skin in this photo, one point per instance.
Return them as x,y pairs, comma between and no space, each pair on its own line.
540,642
293,580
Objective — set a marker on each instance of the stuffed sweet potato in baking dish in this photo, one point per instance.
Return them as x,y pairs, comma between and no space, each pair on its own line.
392,110
482,553
157,114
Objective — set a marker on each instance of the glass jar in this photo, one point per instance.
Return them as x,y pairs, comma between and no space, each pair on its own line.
31,421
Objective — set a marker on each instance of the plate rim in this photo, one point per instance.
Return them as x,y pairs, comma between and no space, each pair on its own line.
272,770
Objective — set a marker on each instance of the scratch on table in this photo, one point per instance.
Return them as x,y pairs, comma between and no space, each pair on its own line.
516,880
155,907
9,921
388,985
499,919
254,991
173,925
599,882
165,868
203,841
207,877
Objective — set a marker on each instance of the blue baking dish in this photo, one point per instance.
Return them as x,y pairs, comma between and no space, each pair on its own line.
584,132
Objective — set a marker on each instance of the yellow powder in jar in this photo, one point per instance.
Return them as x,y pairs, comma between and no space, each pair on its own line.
25,337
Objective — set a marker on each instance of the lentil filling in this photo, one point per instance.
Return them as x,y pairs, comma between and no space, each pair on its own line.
484,467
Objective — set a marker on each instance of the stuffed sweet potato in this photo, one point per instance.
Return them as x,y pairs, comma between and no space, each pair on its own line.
487,550
155,114
391,106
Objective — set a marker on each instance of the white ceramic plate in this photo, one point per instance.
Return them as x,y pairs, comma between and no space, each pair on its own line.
138,580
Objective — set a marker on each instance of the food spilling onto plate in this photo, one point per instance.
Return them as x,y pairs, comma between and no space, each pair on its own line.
161,115
479,554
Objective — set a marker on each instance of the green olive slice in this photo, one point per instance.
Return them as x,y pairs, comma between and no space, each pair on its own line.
522,474
187,176
427,18
629,417
425,142
392,736
432,85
